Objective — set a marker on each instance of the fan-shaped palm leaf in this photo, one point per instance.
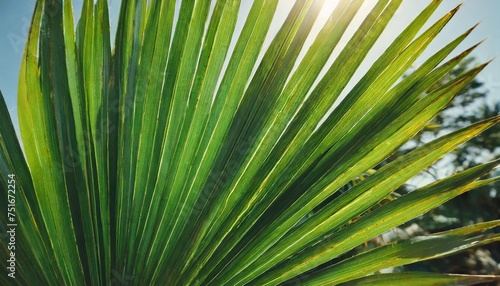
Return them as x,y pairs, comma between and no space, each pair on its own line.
176,158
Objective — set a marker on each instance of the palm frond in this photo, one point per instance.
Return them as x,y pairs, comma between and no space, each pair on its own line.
191,154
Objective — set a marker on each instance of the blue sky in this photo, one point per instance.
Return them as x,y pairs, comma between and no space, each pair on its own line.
15,17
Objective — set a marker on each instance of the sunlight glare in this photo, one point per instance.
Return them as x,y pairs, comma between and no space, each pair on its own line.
328,7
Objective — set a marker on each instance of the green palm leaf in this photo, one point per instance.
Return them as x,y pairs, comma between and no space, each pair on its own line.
421,279
192,154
